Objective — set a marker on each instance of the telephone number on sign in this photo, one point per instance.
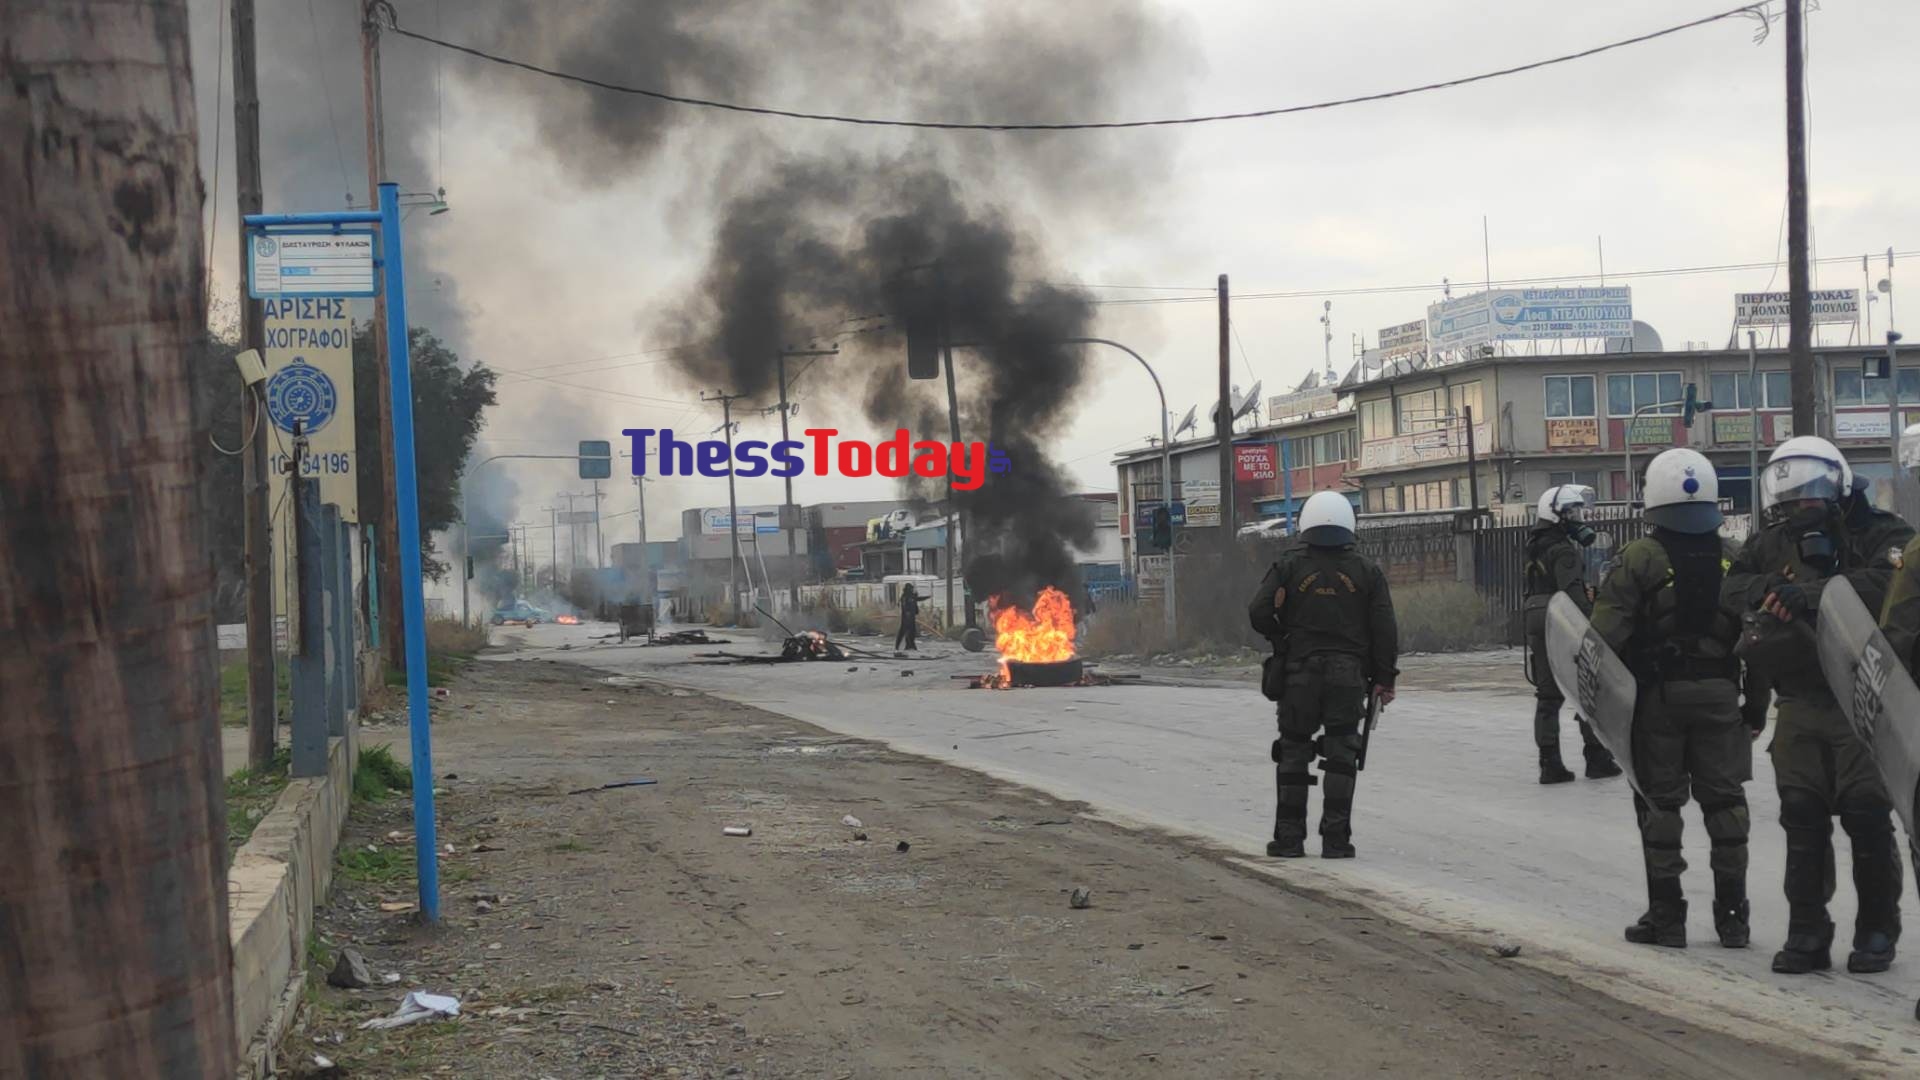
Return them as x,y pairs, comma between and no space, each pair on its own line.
335,464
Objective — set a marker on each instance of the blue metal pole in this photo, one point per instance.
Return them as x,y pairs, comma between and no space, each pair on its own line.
407,504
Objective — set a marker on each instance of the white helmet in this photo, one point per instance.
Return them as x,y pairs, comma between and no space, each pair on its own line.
1565,502
1327,520
1805,467
1682,492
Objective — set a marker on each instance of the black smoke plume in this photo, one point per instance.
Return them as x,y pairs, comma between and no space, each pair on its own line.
813,224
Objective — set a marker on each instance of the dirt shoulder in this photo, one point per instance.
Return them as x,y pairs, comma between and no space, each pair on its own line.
630,937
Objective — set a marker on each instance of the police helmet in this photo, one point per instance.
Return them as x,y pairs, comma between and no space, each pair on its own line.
1682,492
1802,468
1327,520
1566,502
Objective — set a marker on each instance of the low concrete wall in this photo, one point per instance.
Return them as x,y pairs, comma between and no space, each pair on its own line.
277,879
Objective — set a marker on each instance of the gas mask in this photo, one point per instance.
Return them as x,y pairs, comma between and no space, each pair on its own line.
1816,534
1579,532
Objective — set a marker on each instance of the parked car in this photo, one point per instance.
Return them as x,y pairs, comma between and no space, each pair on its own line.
518,612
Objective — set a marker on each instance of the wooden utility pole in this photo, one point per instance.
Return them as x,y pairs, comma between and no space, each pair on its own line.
1223,423
253,409
391,633
1799,288
114,899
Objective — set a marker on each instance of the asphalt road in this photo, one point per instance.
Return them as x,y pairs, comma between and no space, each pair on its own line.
1453,832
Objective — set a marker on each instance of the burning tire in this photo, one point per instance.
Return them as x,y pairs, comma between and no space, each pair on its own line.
1032,673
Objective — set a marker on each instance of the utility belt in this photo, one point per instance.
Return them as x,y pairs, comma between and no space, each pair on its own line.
1687,669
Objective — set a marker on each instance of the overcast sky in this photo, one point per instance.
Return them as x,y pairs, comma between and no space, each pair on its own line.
1672,151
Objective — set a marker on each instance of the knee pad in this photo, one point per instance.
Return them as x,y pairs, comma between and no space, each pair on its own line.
1802,809
1868,820
1276,750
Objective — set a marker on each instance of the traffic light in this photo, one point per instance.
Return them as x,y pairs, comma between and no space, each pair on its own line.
1694,405
1160,531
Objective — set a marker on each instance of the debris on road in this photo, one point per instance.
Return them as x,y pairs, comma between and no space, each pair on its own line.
687,637
638,781
418,1005
441,693
902,846
1506,950
860,836
850,821
350,971
1185,990
1081,898
396,905
758,996
737,830
482,907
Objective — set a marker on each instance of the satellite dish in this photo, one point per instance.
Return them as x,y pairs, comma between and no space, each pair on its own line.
1186,422
1247,404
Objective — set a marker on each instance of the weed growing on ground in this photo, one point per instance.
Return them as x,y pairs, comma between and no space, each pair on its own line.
250,795
1442,617
377,773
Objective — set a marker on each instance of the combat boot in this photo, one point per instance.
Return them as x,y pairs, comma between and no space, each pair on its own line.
1600,763
1664,924
1730,922
1872,952
1291,848
1331,848
1552,769
1808,948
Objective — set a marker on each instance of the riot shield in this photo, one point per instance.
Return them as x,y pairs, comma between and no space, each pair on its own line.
1593,679
1878,696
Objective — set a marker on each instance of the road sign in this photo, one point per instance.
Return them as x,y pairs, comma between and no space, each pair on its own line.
596,459
310,262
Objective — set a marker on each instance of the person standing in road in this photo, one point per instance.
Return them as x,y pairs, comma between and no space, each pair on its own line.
1822,768
907,637
1660,610
1327,610
1554,565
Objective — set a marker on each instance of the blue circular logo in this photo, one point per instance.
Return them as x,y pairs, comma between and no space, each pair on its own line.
265,246
301,394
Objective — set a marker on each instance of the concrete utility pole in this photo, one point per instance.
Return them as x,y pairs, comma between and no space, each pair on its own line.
1799,287
391,631
1223,426
115,897
258,567
726,401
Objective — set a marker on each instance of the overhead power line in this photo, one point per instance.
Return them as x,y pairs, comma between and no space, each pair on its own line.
1743,10
1436,286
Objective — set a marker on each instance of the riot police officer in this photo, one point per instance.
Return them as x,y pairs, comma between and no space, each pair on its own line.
1554,565
1329,614
1821,767
1660,610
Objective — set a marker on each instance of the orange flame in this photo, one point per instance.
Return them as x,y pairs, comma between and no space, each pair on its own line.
566,620
1043,637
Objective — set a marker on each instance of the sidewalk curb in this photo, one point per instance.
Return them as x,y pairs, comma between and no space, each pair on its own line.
277,878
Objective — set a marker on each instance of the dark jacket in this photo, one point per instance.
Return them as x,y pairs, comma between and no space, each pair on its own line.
1337,602
1659,627
1771,559
1554,564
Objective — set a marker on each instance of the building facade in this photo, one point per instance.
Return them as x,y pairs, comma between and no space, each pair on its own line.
1538,421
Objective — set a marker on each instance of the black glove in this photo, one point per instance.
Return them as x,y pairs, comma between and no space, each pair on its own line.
1795,599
